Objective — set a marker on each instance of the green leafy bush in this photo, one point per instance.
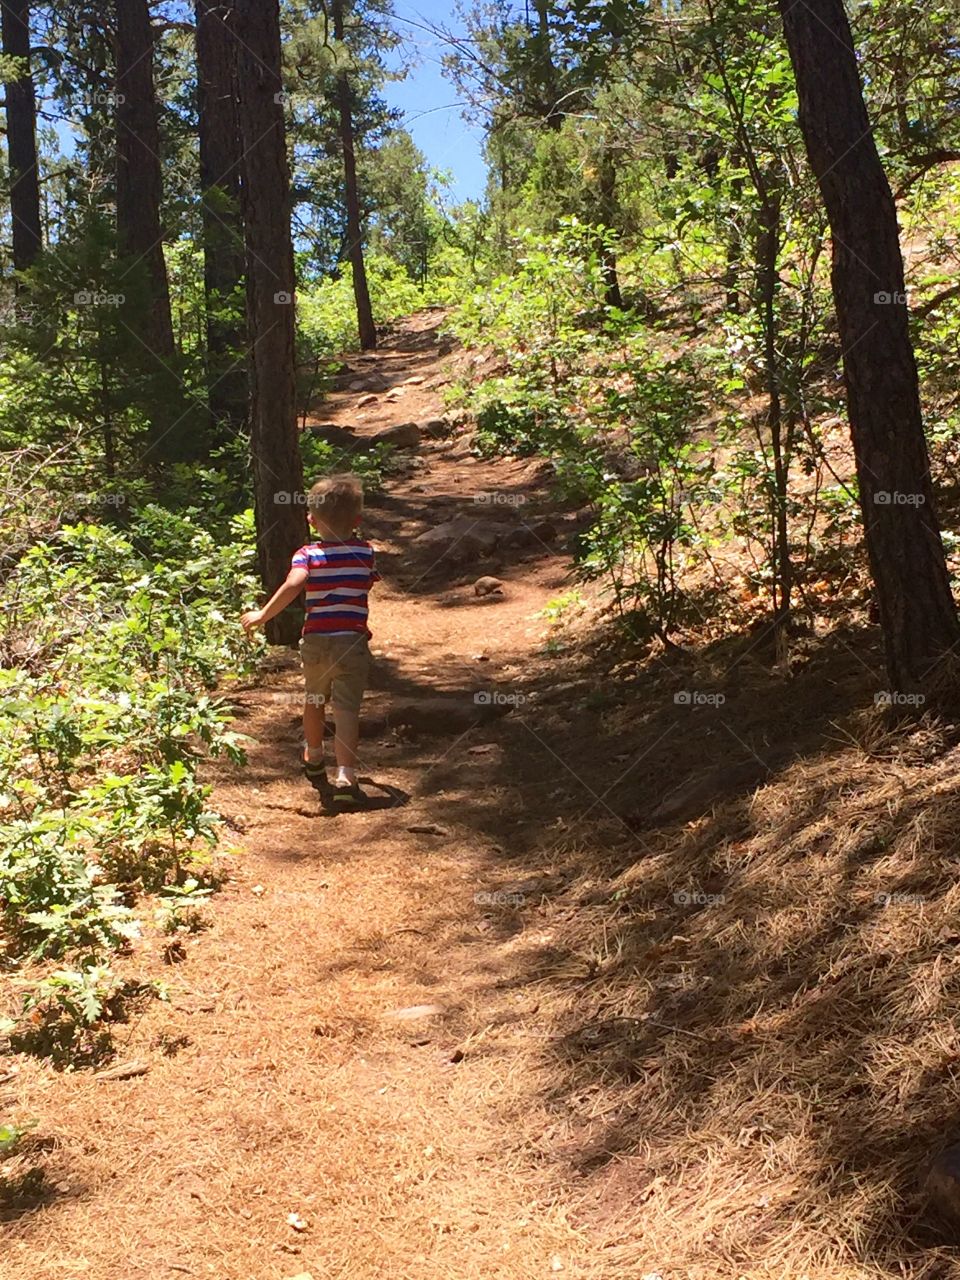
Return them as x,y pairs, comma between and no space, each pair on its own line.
114,643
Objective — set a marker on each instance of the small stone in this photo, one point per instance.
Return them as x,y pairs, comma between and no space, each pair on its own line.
487,586
365,400
544,530
405,435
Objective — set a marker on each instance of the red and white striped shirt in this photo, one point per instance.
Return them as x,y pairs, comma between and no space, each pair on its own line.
339,575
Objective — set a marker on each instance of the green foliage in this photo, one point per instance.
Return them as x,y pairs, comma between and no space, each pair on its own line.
73,363
322,459
114,643
586,389
181,907
67,1017
12,1133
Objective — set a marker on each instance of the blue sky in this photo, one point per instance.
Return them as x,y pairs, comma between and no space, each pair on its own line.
429,101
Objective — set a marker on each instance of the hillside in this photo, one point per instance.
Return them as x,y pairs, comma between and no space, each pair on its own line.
606,980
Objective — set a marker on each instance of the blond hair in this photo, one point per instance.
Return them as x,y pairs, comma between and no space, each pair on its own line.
336,502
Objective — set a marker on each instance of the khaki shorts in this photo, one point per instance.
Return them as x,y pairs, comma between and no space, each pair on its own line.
335,668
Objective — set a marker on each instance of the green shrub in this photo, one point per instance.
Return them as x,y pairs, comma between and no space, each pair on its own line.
116,641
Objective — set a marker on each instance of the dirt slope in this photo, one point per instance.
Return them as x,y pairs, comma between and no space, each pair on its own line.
629,982
282,1080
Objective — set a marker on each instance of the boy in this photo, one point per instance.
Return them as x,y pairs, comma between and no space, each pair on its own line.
337,572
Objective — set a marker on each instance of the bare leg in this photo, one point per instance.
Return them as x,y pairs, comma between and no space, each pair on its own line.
348,735
313,723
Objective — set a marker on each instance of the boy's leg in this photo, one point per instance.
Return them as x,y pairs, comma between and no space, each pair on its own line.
347,737
347,693
317,672
314,720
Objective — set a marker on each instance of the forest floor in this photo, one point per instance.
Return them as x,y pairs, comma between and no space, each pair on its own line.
615,984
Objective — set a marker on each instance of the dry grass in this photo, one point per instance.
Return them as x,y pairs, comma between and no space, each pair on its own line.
752,1084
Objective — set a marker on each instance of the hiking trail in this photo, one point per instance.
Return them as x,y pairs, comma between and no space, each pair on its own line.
346,1080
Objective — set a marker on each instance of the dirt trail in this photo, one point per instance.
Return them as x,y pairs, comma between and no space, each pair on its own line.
285,1077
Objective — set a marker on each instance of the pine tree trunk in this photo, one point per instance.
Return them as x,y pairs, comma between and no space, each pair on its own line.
21,111
139,187
265,191
361,290
223,254
609,211
553,109
917,610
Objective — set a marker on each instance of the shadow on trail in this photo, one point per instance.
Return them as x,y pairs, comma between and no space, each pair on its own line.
740,1016
765,982
389,797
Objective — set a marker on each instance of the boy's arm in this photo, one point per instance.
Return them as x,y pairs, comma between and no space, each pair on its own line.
284,595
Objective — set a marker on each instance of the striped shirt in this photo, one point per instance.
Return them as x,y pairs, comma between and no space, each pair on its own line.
339,575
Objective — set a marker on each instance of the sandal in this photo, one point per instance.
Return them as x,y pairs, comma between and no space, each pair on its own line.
315,772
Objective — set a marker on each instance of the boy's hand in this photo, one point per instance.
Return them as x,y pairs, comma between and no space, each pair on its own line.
252,619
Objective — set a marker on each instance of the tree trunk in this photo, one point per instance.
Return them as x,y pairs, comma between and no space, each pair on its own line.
552,107
138,168
609,210
221,159
361,291
21,110
734,250
265,192
917,610
769,238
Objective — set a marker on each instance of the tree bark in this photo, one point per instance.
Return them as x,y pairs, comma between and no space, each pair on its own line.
21,110
361,290
916,607
608,209
221,157
552,108
769,242
265,191
139,186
